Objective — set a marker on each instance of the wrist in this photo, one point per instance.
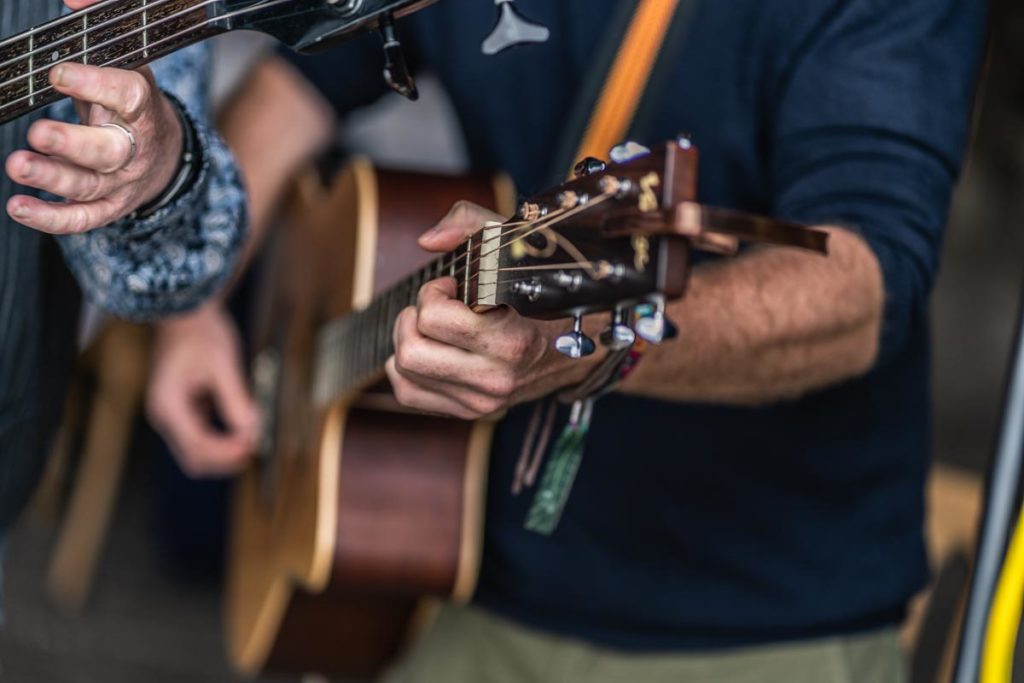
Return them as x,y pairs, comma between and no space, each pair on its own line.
211,311
180,176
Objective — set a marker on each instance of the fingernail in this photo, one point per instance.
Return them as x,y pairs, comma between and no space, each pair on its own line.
21,211
27,169
54,140
63,76
435,232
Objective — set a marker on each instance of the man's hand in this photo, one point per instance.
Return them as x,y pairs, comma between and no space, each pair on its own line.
452,361
197,358
91,165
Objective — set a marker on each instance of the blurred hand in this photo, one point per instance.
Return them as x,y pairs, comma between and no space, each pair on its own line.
92,165
197,358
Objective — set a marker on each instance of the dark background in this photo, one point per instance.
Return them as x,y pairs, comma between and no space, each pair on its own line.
978,294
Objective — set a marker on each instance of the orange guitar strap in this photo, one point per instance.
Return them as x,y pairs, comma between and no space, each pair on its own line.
628,78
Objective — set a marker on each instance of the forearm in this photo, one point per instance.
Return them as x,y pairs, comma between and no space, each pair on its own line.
770,325
274,124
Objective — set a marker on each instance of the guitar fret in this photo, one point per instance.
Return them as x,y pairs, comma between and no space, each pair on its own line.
354,348
31,67
125,33
145,29
465,275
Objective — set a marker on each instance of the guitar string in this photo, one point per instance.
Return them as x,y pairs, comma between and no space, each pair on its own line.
539,225
530,228
142,50
334,330
60,21
90,29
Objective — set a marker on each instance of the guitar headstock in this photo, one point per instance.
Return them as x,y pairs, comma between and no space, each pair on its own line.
554,259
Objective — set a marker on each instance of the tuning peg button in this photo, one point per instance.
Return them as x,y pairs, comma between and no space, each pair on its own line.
588,166
628,151
652,325
575,344
619,335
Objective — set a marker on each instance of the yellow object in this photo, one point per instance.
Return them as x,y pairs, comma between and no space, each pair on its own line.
628,77
1005,614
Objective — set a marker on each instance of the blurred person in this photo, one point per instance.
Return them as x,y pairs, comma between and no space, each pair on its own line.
750,505
153,219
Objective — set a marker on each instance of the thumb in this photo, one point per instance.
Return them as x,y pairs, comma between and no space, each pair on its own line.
236,404
464,219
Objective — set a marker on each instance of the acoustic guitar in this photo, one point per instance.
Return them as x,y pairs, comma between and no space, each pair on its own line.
357,514
130,33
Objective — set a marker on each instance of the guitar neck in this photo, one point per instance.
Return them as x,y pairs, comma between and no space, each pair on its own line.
352,350
116,33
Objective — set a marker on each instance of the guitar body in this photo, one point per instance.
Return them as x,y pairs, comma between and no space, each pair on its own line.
357,513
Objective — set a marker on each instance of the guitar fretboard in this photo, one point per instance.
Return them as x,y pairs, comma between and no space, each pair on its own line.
352,351
119,33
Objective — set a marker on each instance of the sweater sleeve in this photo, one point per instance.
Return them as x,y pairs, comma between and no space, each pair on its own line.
173,260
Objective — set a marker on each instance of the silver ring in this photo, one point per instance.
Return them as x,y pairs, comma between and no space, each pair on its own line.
131,139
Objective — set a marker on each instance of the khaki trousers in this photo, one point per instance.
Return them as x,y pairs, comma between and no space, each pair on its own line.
469,645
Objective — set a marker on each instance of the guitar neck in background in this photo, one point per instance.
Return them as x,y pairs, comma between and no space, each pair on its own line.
115,33
352,350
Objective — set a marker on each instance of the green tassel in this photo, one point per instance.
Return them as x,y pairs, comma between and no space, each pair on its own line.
559,475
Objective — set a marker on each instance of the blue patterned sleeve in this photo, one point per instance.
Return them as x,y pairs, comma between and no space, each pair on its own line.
173,260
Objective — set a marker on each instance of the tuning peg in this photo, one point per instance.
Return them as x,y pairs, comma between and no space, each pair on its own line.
396,69
588,166
627,152
575,344
619,335
512,29
652,324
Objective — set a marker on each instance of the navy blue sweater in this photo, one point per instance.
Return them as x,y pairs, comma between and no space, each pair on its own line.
696,526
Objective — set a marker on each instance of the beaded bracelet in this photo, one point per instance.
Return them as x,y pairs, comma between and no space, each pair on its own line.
189,165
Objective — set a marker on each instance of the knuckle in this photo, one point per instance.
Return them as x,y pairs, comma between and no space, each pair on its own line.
79,221
403,392
137,95
41,134
502,384
513,347
405,356
92,188
484,405
403,318
429,321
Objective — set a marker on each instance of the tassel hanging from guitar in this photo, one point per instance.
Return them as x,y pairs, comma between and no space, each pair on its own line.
512,29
